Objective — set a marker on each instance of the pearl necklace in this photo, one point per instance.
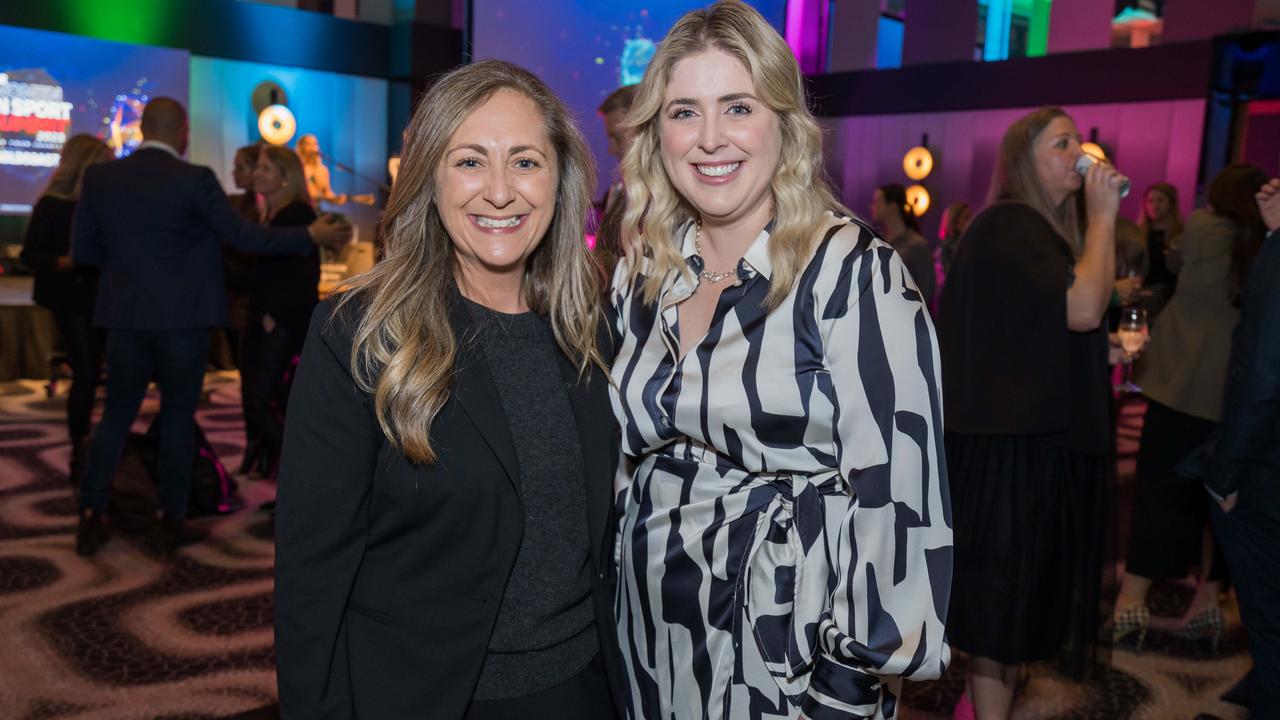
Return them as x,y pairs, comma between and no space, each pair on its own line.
708,275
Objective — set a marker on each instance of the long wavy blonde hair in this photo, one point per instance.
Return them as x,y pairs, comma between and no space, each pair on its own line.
290,167
655,209
404,348
78,153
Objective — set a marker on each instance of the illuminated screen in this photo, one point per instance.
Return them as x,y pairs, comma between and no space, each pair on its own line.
584,49
53,86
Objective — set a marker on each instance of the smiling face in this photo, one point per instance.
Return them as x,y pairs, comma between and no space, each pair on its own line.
267,178
720,144
497,186
1055,151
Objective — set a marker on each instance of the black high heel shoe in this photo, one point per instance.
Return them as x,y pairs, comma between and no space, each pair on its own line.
1206,625
252,453
1135,620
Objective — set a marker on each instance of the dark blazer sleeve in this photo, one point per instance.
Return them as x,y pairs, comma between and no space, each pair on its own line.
86,238
212,204
322,512
1251,417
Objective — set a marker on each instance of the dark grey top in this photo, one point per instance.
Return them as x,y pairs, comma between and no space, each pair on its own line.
545,631
918,258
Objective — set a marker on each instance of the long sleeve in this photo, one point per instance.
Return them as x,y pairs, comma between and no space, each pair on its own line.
1251,413
330,454
40,246
86,237
892,560
213,206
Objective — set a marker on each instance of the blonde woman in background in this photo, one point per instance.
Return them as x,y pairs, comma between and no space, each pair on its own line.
282,295
65,289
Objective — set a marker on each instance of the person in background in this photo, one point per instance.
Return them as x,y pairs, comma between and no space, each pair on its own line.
443,542
1182,375
1244,473
154,225
891,212
282,293
317,173
1161,223
955,220
246,203
236,265
778,387
64,288
1024,363
614,110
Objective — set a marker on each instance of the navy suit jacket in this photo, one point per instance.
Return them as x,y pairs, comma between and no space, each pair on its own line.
1248,447
154,225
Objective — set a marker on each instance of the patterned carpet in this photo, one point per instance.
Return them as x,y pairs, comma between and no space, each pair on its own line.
121,636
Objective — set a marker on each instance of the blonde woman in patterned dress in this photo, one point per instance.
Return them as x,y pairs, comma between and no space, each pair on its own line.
785,545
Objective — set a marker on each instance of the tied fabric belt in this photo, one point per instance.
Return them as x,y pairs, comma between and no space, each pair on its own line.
787,573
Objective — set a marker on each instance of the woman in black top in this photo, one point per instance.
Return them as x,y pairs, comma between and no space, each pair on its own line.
282,295
1024,363
64,288
443,548
1161,223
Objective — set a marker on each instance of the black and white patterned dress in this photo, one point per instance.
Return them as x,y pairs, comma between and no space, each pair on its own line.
786,535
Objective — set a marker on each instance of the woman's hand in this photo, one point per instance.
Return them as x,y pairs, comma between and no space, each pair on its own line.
1269,203
1102,191
1130,290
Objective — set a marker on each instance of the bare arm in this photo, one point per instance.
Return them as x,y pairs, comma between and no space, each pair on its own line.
1095,271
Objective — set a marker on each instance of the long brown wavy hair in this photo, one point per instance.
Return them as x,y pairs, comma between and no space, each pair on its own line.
1231,195
1015,177
655,209
404,348
78,153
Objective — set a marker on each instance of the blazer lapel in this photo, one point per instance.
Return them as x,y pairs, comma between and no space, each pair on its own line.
589,398
476,392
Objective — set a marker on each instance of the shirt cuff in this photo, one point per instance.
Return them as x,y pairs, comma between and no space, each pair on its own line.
840,692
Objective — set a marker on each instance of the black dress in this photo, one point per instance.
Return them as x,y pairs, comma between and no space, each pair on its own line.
1028,435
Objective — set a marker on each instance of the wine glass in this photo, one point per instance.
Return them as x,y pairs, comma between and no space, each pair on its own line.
1133,334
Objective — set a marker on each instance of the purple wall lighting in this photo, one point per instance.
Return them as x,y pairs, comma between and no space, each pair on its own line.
1152,142
806,33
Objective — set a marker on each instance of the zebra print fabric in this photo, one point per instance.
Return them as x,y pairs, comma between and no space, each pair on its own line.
785,541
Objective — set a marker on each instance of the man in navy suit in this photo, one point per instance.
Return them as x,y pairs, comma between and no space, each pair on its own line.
153,224
1244,475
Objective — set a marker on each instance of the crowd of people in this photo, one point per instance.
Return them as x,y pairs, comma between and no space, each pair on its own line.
705,469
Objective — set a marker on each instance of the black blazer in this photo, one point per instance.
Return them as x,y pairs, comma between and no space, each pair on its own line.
389,574
48,238
1248,447
154,224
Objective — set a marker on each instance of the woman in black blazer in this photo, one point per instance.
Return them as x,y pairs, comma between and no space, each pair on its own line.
444,544
68,291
